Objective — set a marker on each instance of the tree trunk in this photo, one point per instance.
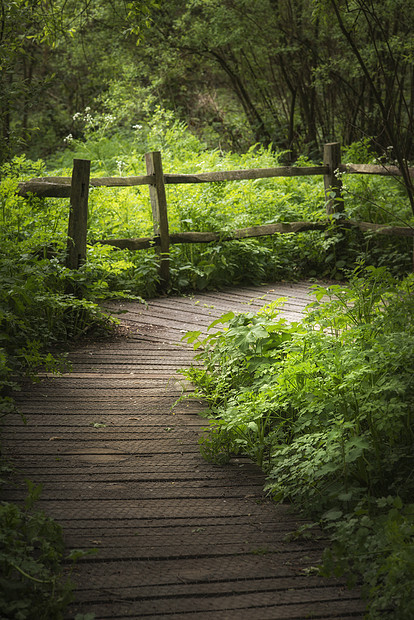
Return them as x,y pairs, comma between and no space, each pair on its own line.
252,114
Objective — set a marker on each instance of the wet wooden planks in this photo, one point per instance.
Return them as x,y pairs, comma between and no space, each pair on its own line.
121,471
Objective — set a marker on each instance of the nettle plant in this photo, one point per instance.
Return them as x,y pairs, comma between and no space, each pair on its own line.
235,378
326,408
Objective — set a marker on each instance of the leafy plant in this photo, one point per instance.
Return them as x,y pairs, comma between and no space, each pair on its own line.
32,582
376,540
326,408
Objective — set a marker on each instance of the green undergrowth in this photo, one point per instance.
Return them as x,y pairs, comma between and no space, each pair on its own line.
41,224
326,408
35,571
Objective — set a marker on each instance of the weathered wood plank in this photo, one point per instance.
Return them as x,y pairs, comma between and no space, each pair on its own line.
244,233
256,231
59,187
44,189
243,175
209,588
142,243
207,570
381,229
283,605
382,170
208,237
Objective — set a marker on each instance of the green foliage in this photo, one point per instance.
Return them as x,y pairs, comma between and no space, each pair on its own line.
32,581
35,312
224,207
326,408
216,443
376,540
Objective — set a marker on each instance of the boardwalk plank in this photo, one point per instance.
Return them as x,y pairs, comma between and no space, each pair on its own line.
175,535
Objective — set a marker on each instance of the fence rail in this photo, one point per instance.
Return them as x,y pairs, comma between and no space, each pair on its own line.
59,187
76,188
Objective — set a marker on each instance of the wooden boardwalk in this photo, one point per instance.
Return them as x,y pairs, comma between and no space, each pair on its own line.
121,471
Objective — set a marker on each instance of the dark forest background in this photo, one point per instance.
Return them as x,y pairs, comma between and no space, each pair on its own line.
292,73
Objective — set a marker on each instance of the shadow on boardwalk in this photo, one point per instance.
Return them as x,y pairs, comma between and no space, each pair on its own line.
121,471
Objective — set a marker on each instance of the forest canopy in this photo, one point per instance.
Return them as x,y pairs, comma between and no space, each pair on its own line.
291,73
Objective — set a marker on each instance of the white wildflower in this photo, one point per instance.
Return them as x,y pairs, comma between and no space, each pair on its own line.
120,165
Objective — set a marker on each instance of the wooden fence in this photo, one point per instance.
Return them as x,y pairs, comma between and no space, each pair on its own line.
77,187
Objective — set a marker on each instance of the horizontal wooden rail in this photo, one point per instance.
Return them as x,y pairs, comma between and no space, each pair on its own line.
254,231
208,237
59,187
383,229
246,175
382,170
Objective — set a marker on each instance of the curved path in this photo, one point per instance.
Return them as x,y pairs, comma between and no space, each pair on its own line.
121,471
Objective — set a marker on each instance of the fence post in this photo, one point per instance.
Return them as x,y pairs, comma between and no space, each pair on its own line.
333,185
159,213
78,216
